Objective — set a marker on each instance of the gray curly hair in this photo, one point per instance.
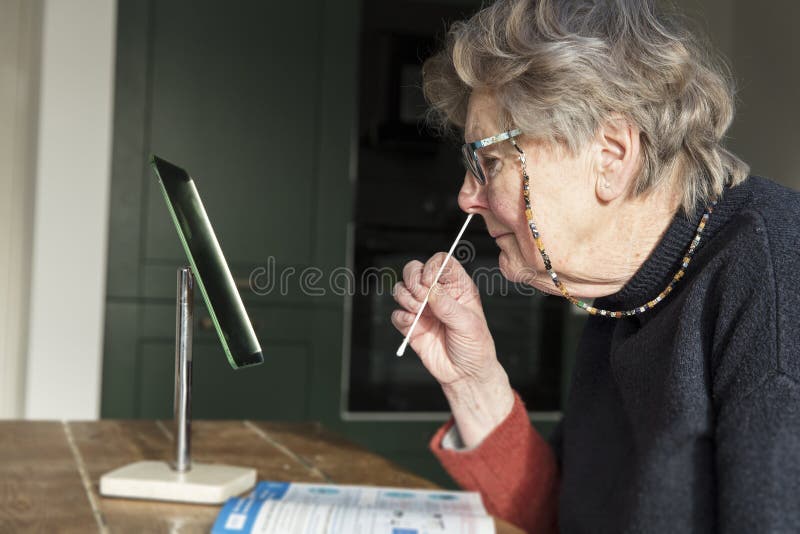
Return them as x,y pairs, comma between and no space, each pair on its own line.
560,68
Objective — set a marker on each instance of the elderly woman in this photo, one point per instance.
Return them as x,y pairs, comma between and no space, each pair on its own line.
593,147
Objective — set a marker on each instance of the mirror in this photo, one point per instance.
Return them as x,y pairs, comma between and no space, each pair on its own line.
208,265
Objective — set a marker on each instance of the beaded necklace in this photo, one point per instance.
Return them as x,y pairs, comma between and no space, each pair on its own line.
579,303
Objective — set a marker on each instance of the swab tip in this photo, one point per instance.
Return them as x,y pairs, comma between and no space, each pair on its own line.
402,348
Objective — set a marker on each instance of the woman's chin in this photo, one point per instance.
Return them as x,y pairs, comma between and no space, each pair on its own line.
514,272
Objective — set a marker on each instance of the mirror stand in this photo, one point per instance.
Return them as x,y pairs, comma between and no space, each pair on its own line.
180,480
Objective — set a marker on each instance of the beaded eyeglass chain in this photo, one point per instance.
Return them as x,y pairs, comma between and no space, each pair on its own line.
579,303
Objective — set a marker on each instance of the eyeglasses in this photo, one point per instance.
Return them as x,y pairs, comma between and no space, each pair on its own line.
472,161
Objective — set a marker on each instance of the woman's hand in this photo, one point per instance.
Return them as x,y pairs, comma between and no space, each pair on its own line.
452,337
454,343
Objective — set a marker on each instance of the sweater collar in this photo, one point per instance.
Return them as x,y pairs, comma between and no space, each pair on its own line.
662,264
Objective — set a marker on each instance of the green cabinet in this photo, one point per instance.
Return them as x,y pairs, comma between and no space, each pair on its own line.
257,100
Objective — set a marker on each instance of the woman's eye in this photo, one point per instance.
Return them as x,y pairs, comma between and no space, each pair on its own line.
491,166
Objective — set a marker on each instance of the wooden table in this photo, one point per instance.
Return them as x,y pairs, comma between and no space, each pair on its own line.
49,471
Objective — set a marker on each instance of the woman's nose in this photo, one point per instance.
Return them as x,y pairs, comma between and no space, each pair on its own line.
472,196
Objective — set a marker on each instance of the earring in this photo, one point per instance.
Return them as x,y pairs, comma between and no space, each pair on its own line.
606,184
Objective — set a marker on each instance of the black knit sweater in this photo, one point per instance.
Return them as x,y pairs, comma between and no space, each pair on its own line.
687,418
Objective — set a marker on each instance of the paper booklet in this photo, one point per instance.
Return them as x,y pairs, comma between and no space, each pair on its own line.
295,508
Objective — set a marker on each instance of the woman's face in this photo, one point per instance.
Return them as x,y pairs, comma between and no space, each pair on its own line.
562,193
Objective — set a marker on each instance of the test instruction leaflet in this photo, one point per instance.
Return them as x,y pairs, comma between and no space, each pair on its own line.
300,508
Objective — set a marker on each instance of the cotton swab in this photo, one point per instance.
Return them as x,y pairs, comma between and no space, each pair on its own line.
403,346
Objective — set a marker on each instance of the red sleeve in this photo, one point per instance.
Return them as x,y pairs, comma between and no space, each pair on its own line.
513,468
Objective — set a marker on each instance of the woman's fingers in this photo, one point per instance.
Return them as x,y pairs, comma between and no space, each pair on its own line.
419,277
405,299
402,319
432,267
412,276
410,293
454,279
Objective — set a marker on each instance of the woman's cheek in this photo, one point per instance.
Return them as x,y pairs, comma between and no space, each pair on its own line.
507,212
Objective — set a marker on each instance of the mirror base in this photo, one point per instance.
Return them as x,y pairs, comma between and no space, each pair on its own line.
152,480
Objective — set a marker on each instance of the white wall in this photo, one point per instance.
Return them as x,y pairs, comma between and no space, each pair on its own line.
71,210
20,25
761,41
766,56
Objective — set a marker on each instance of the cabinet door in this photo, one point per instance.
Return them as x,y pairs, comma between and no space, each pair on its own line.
233,99
277,387
251,98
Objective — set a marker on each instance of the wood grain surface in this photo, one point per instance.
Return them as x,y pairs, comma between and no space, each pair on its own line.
40,486
50,471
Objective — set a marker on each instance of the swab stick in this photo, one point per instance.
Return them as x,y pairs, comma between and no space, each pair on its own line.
403,346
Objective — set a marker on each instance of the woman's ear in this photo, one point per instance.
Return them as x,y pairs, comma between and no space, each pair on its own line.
617,157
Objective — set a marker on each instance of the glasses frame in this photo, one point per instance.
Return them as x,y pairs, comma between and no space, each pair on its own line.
469,152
